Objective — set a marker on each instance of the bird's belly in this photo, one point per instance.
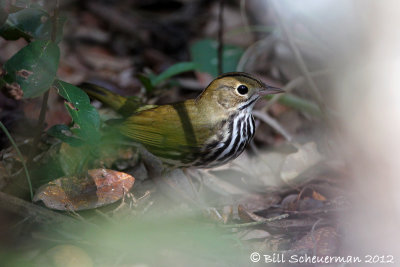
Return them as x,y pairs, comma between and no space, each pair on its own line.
229,141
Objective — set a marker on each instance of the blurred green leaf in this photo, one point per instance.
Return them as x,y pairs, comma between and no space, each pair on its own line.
73,159
33,68
27,23
2,82
146,82
204,54
83,114
189,242
31,23
172,71
63,133
9,257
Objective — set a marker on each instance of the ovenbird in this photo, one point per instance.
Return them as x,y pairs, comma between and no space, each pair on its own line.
204,132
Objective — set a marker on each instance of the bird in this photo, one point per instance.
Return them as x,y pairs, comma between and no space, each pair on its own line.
204,132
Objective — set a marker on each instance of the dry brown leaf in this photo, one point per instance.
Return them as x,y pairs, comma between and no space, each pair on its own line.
290,202
257,202
248,216
227,212
100,187
318,196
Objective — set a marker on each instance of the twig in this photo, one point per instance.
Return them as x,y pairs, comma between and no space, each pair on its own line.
220,35
55,22
263,45
254,147
239,225
39,128
24,209
28,178
299,59
313,237
43,109
273,123
243,15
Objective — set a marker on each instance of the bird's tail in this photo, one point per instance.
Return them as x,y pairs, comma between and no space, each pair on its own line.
124,105
104,95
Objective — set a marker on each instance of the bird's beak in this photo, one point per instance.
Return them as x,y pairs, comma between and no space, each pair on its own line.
270,90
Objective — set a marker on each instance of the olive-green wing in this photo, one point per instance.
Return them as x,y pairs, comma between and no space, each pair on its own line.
167,131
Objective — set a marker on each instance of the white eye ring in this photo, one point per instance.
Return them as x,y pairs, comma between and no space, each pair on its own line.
242,89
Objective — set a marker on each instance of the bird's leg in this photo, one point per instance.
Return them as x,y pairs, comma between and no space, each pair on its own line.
153,164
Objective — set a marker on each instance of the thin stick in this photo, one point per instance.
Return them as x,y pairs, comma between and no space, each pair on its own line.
299,59
243,15
55,21
279,217
273,123
261,45
39,128
220,35
27,209
28,177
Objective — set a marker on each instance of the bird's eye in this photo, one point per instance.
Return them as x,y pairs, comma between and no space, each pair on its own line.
242,89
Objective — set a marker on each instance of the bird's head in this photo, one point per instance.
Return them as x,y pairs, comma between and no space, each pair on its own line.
235,91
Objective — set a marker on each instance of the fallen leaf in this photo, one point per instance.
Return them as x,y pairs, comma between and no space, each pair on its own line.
100,187
248,216
296,163
290,202
310,204
257,202
318,196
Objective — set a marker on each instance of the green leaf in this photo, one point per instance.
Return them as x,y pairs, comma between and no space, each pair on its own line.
33,67
83,114
74,159
146,82
31,23
2,83
63,133
27,23
172,71
204,54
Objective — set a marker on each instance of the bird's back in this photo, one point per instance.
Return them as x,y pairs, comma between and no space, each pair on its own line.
175,133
